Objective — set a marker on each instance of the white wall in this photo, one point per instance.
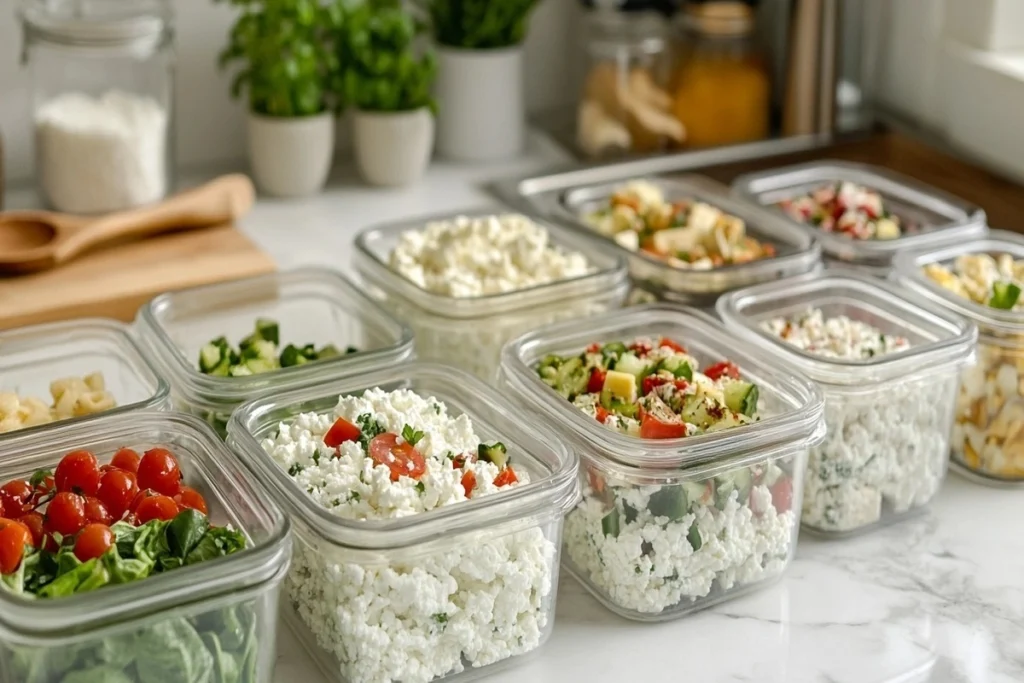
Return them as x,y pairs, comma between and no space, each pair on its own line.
211,126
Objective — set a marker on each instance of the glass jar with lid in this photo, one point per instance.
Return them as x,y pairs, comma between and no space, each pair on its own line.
101,101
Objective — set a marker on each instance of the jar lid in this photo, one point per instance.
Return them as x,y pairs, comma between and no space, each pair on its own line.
610,32
103,23
720,17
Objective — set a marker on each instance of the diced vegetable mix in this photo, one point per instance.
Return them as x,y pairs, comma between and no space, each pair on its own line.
652,388
686,234
990,280
259,353
848,209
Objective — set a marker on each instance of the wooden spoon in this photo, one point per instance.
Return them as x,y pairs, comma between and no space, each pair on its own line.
37,240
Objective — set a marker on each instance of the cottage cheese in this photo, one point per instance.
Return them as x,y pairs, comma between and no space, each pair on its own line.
416,615
885,451
655,563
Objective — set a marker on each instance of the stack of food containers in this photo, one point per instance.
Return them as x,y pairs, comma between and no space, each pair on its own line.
448,565
669,525
889,367
981,280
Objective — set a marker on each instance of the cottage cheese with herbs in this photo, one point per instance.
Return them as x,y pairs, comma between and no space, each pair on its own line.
988,435
388,455
885,452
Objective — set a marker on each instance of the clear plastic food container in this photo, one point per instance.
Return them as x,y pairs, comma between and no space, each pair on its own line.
213,621
797,252
469,332
669,527
33,358
311,306
988,432
936,217
888,417
453,592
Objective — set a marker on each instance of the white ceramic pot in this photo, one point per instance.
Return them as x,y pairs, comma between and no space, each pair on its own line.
481,108
291,157
393,148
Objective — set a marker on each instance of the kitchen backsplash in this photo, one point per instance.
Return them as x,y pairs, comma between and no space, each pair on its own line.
210,125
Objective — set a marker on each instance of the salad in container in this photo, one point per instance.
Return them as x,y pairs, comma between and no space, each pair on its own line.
134,549
428,518
693,450
876,351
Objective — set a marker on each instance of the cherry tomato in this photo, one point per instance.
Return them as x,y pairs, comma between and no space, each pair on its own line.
126,459
400,458
782,494
65,515
468,483
672,344
594,348
16,496
117,491
653,428
596,382
139,497
158,470
341,431
156,507
93,541
723,369
505,477
188,497
78,472
14,536
34,522
96,512
602,414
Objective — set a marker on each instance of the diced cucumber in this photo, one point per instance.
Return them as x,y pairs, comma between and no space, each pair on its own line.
741,397
571,378
329,351
695,410
610,523
292,356
260,349
670,501
699,493
268,330
240,371
223,368
741,481
548,369
496,454
210,357
679,367
611,352
638,367
623,408
260,365
693,536
744,481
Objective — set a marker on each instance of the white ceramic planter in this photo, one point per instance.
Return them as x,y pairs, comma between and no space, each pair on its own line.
291,157
393,148
481,107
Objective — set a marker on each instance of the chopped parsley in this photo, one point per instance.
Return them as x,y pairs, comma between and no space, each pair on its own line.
441,618
420,487
295,469
411,436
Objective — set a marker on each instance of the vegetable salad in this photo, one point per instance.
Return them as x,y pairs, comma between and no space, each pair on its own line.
259,353
846,208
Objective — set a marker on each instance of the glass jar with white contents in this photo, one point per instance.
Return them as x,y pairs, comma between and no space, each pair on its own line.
102,73
693,449
889,365
981,281
427,516
466,284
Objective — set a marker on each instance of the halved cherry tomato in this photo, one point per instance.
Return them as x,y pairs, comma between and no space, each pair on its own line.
400,458
505,477
93,540
156,507
126,459
34,522
96,512
14,536
117,490
158,470
190,498
468,483
78,472
16,497
653,428
602,414
672,344
341,431
782,494
723,369
65,515
594,348
596,382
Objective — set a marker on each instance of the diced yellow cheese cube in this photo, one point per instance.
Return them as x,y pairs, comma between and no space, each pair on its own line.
886,229
620,386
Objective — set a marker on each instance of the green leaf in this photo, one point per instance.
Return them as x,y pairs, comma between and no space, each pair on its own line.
98,674
39,477
82,579
217,542
185,531
171,650
411,436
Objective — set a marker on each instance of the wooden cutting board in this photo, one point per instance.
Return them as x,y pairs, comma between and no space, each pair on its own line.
114,282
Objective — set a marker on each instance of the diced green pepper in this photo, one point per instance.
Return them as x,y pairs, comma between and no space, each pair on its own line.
610,523
1004,295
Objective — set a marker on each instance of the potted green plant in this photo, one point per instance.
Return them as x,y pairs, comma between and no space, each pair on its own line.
482,114
289,69
387,79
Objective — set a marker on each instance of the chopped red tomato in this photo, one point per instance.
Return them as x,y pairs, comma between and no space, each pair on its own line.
400,458
596,382
723,369
340,432
602,414
652,381
653,428
468,483
782,494
505,477
594,348
641,349
672,344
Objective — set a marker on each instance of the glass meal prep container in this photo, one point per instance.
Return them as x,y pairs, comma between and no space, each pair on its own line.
310,306
889,389
667,527
927,216
70,372
212,621
987,443
468,332
452,592
796,252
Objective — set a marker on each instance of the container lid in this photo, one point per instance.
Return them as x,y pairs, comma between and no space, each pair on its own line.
208,465
374,246
937,340
798,252
552,466
98,23
793,406
908,271
942,218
